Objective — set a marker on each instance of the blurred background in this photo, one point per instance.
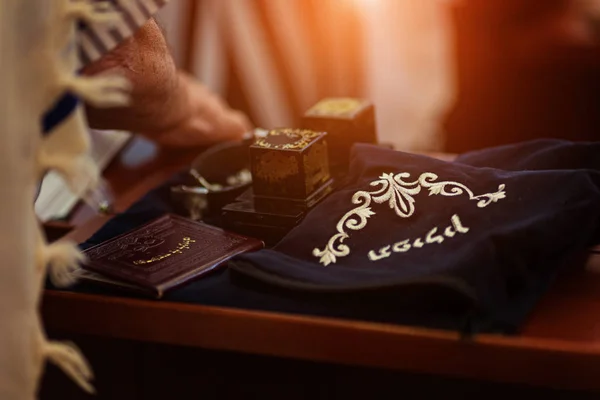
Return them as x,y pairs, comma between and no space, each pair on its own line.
451,75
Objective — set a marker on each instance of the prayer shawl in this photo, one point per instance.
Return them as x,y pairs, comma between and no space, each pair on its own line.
44,128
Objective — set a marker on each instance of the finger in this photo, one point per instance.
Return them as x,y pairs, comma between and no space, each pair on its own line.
234,125
243,120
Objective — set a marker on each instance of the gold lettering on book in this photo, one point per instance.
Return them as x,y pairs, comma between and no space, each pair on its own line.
181,247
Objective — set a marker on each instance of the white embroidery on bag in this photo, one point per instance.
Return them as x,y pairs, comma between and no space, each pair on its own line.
457,227
433,238
418,243
398,194
403,246
383,253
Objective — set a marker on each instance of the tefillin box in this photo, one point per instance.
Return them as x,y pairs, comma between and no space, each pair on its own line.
290,175
347,121
290,169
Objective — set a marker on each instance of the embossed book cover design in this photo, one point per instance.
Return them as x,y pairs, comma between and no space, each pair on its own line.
165,253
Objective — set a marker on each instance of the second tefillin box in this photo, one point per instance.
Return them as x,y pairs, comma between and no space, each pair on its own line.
290,175
347,121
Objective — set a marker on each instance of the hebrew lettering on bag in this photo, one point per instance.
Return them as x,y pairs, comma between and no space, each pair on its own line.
402,247
433,238
455,227
383,253
458,225
400,195
418,243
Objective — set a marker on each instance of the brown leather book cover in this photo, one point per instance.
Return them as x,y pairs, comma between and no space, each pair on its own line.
163,254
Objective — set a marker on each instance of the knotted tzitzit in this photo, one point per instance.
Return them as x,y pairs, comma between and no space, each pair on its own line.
38,69
66,148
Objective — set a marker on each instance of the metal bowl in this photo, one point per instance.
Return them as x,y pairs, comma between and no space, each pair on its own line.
210,186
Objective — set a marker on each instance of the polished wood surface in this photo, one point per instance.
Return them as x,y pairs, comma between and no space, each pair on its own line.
559,346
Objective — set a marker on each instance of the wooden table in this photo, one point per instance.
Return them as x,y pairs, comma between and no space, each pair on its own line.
559,347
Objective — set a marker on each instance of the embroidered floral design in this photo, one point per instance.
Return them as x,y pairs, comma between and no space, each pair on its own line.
399,195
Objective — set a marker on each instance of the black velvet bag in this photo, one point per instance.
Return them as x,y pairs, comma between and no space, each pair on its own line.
486,233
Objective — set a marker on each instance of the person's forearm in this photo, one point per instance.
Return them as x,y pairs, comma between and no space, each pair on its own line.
158,101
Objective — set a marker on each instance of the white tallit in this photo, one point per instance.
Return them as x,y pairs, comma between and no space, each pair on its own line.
38,64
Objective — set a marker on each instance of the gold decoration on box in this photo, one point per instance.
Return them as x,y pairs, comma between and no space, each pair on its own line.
273,166
316,166
336,107
297,139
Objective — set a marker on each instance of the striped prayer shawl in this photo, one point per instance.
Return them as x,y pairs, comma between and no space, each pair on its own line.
97,40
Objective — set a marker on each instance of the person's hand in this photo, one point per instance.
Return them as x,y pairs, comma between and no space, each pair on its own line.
208,119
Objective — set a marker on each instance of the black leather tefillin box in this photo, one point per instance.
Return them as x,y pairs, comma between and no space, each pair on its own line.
346,121
290,175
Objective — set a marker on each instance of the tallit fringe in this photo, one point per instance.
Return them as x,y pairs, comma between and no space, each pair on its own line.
62,258
110,90
70,137
69,359
57,260
68,154
90,11
79,172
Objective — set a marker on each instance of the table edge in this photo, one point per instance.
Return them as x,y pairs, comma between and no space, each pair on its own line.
514,359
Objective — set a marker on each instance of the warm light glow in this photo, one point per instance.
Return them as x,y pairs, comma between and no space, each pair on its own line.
364,3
